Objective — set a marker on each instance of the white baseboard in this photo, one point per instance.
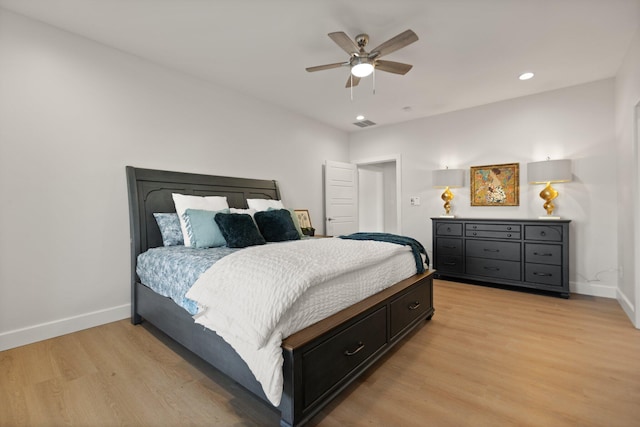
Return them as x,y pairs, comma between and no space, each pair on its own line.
628,307
43,331
595,289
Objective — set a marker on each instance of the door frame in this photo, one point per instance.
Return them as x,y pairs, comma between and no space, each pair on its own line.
397,159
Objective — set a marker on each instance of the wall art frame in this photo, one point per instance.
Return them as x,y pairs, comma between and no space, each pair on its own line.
495,185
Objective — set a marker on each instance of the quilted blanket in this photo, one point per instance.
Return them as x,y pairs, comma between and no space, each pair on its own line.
245,295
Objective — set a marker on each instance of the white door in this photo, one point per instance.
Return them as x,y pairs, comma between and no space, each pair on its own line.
341,198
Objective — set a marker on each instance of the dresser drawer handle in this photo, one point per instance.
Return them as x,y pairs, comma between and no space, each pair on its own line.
542,254
414,306
448,263
492,268
475,234
508,234
509,228
491,250
449,229
542,233
450,247
542,274
351,353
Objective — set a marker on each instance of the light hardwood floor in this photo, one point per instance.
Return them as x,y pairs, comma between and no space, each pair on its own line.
489,357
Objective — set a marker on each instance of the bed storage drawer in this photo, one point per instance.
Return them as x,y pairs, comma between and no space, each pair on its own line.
326,364
409,307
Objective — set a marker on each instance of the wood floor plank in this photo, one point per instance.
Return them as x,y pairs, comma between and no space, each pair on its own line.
489,357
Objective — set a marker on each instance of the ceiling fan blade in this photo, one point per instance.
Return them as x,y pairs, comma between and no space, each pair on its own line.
393,67
401,40
352,80
345,42
326,67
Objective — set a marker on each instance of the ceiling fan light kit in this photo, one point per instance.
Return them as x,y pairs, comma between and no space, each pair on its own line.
363,63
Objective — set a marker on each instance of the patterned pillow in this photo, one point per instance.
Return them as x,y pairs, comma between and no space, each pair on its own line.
239,230
169,225
276,225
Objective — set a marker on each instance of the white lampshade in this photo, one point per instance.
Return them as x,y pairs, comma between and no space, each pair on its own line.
362,67
549,171
452,178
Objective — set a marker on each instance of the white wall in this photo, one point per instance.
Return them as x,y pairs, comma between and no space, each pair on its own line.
627,97
575,123
73,113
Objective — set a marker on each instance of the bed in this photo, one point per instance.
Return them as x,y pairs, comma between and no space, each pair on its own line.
320,360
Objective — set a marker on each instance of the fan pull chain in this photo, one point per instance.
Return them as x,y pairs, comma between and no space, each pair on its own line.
351,88
374,81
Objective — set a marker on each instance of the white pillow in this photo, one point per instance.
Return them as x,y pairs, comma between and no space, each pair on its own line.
206,203
244,211
264,204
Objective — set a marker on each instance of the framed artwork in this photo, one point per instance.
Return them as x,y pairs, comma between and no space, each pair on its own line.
495,185
303,218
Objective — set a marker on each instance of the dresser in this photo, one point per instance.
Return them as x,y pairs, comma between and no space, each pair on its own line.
521,253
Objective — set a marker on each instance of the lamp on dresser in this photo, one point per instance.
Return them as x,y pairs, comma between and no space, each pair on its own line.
447,179
548,172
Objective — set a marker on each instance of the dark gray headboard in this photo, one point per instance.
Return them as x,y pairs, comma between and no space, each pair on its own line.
150,192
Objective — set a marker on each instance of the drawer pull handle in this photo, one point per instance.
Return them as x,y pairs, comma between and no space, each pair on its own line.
542,233
542,274
475,234
450,247
509,235
491,250
448,228
448,263
414,306
351,353
493,268
542,254
509,228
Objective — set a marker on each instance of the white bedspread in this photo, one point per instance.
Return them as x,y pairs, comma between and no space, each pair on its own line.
257,296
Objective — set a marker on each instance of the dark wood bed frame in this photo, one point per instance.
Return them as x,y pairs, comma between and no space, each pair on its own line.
319,361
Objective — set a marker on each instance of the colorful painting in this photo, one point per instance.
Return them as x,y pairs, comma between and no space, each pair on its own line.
495,185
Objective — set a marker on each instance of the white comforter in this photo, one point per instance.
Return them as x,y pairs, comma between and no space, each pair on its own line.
255,297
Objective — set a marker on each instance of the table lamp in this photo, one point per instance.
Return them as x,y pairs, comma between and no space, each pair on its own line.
547,172
448,178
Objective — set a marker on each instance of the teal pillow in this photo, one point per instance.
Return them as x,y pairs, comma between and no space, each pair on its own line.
276,225
202,228
294,218
239,230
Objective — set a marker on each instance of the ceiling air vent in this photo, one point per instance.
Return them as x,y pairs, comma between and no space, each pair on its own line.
364,123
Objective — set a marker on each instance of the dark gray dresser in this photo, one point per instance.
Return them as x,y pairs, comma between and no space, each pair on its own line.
516,252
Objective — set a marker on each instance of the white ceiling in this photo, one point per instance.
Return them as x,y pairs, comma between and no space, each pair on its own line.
470,52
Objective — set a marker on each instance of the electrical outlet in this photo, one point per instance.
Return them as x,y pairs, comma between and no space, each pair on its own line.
415,201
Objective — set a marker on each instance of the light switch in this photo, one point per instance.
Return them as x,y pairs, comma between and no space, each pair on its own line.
415,201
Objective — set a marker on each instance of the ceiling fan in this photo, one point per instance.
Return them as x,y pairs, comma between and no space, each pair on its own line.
361,62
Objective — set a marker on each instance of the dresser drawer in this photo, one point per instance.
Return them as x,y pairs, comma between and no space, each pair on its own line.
496,231
325,365
449,229
509,251
548,233
493,268
543,273
448,264
543,254
448,246
408,307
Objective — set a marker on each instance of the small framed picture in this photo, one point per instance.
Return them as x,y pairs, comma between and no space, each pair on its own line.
495,185
303,218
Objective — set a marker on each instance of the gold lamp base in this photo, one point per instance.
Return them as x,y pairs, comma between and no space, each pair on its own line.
447,196
548,194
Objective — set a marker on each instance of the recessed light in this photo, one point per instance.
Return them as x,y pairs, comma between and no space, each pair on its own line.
526,76
360,117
